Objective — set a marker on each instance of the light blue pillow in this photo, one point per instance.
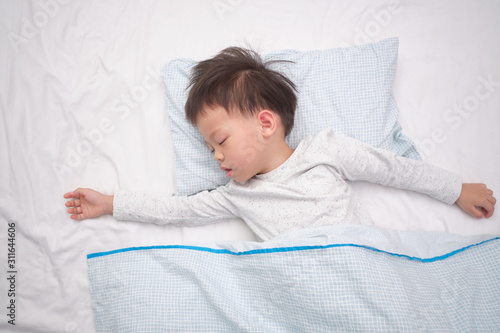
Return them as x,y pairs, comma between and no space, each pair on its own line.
349,89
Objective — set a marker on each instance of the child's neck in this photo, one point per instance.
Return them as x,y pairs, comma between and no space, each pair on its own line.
278,153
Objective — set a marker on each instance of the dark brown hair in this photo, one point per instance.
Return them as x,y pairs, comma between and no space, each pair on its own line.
238,79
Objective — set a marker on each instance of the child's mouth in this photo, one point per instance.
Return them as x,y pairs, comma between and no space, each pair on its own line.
229,172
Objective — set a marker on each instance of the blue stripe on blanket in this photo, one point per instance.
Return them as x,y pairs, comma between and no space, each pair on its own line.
331,279
282,249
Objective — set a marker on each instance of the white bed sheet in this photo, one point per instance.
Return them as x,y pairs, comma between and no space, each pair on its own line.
82,105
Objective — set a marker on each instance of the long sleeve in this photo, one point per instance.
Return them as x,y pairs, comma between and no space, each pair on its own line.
161,208
356,160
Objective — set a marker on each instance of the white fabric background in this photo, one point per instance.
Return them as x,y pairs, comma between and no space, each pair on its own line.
82,105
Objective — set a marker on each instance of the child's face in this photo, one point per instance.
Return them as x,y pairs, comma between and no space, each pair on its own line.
235,141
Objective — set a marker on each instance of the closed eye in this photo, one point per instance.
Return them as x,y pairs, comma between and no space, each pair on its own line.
211,148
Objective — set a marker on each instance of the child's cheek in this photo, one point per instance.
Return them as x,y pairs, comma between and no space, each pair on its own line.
247,152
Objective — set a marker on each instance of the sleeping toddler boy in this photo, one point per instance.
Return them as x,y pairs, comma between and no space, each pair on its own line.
244,110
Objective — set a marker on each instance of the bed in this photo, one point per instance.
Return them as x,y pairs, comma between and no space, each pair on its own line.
83,105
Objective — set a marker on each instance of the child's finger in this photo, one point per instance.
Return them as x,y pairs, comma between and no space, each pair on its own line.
77,210
489,213
486,203
488,208
73,194
73,203
77,217
476,211
70,195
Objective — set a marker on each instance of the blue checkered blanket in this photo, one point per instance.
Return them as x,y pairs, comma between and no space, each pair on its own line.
347,278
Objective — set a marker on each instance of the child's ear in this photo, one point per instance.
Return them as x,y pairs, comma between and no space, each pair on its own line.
267,122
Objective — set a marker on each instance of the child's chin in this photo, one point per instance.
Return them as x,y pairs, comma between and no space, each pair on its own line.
240,179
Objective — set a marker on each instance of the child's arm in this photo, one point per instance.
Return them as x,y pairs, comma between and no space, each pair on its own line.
160,208
359,161
477,200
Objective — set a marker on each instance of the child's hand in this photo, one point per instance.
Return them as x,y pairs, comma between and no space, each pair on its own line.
88,204
477,200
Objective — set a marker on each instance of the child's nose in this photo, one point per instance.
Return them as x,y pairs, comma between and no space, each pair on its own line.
218,156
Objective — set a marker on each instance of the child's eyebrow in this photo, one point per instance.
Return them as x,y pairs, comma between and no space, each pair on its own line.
213,132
